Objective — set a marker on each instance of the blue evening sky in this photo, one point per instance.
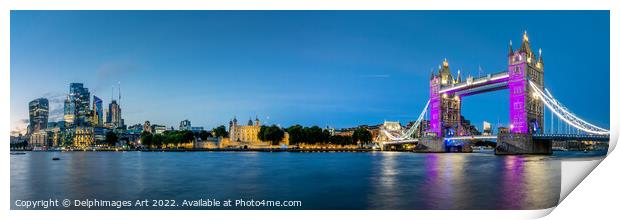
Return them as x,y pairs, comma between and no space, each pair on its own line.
336,68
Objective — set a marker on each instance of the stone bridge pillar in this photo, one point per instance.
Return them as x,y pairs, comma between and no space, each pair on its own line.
430,144
521,144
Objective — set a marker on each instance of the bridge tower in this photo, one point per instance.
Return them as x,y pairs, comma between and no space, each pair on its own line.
445,109
526,108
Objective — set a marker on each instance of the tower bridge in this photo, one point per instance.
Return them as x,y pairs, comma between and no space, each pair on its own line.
529,99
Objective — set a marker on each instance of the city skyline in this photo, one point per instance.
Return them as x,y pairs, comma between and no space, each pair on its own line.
351,68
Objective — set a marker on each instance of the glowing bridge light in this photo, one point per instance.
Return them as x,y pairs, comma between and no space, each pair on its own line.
407,134
562,112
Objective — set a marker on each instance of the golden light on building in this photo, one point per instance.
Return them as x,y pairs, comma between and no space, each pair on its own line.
84,137
39,139
245,133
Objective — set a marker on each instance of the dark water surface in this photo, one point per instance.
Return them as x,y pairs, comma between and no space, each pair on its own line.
379,180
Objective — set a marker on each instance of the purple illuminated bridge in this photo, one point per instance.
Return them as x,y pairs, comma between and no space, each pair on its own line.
524,79
526,110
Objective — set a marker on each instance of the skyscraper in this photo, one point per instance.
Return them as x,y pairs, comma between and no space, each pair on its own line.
97,111
69,112
77,104
38,112
81,98
114,114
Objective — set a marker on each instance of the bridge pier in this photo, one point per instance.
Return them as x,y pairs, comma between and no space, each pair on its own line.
430,144
510,144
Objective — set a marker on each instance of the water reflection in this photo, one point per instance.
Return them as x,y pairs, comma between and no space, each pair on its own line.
380,180
526,178
444,184
387,188
512,182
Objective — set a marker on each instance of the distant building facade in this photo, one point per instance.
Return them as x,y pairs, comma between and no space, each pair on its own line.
39,139
467,128
99,134
135,129
185,125
147,127
159,129
84,137
486,128
244,133
49,137
390,128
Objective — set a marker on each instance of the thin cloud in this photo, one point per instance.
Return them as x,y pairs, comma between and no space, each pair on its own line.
55,97
56,113
110,73
20,127
377,76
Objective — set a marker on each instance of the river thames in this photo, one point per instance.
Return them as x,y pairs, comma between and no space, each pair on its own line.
374,180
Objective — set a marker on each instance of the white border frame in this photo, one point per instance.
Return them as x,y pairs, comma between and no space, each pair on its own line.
607,170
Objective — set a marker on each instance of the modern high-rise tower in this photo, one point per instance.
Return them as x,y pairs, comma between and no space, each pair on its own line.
114,114
39,113
77,110
69,112
97,112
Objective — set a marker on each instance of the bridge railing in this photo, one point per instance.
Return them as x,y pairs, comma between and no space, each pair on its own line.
597,136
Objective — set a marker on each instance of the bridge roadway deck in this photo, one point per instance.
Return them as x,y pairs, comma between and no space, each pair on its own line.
554,137
481,84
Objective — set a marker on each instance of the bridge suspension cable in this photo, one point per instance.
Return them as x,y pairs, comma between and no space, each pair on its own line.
564,114
407,134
